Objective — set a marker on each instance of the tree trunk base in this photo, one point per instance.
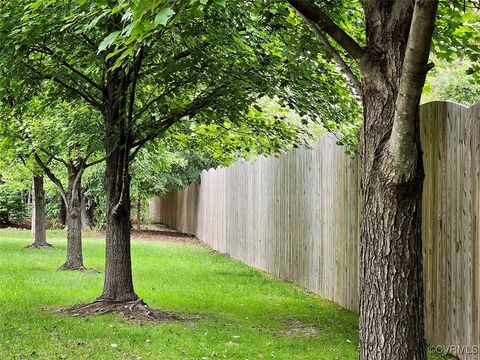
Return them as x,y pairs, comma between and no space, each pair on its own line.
136,311
39,246
75,267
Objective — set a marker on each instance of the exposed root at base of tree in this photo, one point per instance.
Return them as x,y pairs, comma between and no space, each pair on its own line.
136,311
39,246
68,267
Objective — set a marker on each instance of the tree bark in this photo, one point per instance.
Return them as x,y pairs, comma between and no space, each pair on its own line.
74,259
118,283
391,300
88,209
38,214
391,284
62,214
139,213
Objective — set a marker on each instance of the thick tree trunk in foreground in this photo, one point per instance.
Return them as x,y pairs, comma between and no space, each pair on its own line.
118,284
391,290
393,66
74,220
391,306
38,214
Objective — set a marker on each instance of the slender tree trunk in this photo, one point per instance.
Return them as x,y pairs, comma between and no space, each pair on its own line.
139,213
38,214
74,220
118,284
88,209
62,214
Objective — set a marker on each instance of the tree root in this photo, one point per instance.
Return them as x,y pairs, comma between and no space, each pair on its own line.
136,311
70,267
39,246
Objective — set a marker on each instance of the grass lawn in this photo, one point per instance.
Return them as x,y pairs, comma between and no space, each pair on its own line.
246,314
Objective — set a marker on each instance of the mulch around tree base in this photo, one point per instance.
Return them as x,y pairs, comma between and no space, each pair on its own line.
39,246
136,311
152,235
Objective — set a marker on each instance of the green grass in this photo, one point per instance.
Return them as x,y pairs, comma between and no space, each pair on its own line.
246,313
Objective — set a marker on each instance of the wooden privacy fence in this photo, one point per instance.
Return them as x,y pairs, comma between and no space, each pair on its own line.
297,216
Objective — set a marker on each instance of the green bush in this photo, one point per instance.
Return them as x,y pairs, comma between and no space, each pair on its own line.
12,207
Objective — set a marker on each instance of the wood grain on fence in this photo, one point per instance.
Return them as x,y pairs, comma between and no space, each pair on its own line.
297,216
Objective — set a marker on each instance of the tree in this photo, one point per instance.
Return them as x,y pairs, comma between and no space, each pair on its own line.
75,146
38,214
145,67
391,57
30,123
12,144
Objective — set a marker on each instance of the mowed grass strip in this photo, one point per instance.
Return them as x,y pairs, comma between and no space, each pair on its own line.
242,313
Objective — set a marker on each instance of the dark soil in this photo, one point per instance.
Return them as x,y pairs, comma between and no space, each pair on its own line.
10,225
152,235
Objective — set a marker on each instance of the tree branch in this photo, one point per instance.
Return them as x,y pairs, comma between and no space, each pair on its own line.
353,80
89,99
139,144
95,162
53,156
137,64
52,177
90,42
50,52
403,139
196,105
313,13
168,91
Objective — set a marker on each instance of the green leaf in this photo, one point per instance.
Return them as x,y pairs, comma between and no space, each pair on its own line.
108,41
163,16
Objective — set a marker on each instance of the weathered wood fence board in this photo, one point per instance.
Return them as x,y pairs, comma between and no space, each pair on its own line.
297,216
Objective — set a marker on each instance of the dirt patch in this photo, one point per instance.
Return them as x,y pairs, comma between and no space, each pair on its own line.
302,331
298,329
152,235
135,311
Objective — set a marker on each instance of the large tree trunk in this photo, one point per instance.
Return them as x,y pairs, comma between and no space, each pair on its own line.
88,210
393,74
391,306
38,214
74,220
118,284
